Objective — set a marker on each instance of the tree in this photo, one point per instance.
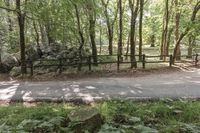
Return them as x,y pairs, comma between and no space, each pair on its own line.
120,29
134,10
140,29
21,21
92,21
165,31
110,23
177,25
187,29
82,40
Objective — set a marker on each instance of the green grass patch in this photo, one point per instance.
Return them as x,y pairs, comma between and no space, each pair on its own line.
163,116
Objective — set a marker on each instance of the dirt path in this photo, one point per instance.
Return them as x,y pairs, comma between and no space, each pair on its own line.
185,83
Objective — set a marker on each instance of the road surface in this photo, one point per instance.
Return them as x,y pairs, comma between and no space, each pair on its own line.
173,85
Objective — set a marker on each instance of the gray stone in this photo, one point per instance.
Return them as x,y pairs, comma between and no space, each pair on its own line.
10,60
16,71
4,68
87,119
32,53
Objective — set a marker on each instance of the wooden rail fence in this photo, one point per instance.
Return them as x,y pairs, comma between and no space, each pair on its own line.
87,61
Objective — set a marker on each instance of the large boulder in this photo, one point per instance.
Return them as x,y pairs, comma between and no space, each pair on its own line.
88,119
32,53
16,71
4,68
10,60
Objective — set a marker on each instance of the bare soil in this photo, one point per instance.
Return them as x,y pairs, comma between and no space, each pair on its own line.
96,74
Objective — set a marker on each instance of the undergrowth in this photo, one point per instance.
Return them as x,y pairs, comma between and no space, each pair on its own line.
163,116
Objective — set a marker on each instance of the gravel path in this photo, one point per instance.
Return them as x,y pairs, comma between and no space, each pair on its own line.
174,85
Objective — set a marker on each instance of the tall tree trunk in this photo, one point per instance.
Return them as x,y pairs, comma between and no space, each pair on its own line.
165,31
152,40
162,40
140,29
128,45
92,23
37,36
193,18
120,29
82,40
134,10
49,36
21,22
191,41
110,24
177,23
169,40
92,39
10,28
100,40
43,36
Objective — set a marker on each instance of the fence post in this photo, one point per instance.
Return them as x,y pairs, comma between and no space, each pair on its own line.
171,60
118,62
60,66
89,63
196,59
143,61
31,66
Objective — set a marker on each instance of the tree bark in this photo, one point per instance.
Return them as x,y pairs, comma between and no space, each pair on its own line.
120,29
82,40
134,10
92,23
37,36
128,45
100,39
110,25
169,40
10,28
21,22
193,18
152,38
177,23
140,29
166,29
162,40
191,41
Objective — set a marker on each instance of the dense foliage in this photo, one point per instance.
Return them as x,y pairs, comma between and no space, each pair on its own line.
164,116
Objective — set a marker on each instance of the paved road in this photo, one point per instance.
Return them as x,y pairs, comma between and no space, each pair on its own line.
173,85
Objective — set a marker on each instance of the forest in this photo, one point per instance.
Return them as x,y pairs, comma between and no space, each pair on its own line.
47,47
54,29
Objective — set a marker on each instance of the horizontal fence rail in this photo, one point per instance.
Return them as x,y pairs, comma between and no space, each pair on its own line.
116,59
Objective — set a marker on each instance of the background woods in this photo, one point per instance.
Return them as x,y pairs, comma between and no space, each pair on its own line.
30,30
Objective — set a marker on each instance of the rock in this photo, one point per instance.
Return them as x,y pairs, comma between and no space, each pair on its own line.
177,112
36,63
39,71
32,53
144,129
52,69
87,119
4,68
16,71
17,57
63,54
10,60
134,120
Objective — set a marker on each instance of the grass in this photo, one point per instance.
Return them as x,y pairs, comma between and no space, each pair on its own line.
166,116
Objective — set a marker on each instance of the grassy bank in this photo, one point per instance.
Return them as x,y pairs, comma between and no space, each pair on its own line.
164,116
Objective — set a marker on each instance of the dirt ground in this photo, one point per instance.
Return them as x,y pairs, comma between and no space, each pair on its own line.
81,75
